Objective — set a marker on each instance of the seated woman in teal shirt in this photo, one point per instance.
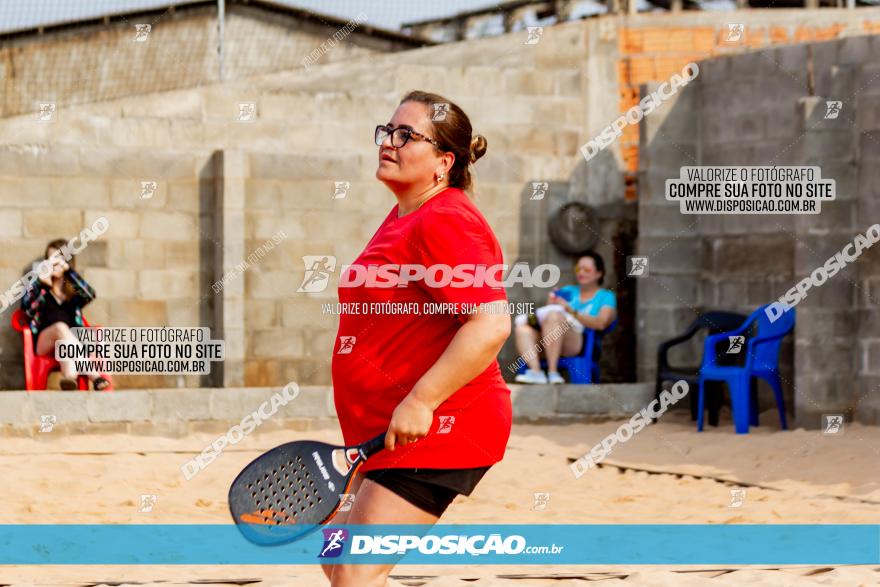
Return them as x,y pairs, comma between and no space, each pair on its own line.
569,310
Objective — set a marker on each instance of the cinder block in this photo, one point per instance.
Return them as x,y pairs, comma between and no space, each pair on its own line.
160,284
119,406
112,283
167,225
66,406
627,399
184,404
11,223
582,399
533,400
277,342
17,409
51,223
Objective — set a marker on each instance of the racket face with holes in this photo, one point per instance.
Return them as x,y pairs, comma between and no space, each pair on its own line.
291,490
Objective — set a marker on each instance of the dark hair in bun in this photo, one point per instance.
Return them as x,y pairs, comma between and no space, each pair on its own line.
454,133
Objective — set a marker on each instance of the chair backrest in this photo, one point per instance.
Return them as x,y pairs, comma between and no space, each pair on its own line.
720,321
19,320
766,355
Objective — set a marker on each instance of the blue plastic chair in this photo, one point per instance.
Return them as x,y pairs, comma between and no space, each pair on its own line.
761,352
582,368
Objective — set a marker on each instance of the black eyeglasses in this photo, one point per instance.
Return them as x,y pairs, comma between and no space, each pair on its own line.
400,136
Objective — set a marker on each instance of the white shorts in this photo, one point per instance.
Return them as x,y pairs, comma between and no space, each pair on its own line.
542,312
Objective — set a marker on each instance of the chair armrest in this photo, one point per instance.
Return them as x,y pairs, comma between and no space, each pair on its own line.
663,347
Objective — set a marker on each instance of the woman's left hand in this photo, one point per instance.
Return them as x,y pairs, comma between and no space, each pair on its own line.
411,420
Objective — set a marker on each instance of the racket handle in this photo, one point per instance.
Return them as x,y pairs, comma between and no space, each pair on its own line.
371,447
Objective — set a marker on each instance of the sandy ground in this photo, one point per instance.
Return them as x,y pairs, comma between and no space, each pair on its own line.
666,474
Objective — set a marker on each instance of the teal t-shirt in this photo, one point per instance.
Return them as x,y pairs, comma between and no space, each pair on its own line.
591,307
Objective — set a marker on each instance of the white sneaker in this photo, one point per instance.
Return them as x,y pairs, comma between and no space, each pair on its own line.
555,378
531,377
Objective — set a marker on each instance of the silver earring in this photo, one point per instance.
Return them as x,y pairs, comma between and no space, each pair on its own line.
441,176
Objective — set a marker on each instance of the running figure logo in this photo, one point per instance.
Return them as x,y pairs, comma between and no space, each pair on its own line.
334,542
341,189
638,266
737,497
147,503
142,32
346,345
148,189
318,270
832,423
735,32
541,500
346,500
832,109
535,34
539,190
735,344
46,112
47,422
446,423
441,109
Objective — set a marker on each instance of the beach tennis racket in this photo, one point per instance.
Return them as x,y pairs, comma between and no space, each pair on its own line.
291,490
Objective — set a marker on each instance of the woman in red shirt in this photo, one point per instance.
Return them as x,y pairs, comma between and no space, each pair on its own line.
429,377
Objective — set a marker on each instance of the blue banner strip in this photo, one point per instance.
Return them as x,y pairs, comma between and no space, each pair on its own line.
519,544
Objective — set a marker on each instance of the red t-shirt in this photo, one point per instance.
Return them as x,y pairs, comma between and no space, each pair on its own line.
391,351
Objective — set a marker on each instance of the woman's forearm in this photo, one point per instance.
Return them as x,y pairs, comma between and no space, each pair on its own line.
472,349
600,322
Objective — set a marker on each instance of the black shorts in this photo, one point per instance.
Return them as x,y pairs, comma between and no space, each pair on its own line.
429,489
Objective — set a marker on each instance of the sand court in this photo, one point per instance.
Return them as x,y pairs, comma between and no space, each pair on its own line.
666,475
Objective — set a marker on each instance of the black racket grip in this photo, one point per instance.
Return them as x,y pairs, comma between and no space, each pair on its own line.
371,447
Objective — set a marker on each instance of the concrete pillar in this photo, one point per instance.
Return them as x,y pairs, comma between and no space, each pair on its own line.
825,378
229,225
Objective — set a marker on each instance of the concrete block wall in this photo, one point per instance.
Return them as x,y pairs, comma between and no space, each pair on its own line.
311,128
145,268
109,64
768,108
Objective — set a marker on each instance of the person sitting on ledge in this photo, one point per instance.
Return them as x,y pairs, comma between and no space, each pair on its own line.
561,322
53,304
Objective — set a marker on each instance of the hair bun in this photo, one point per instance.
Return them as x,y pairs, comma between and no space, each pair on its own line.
478,147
